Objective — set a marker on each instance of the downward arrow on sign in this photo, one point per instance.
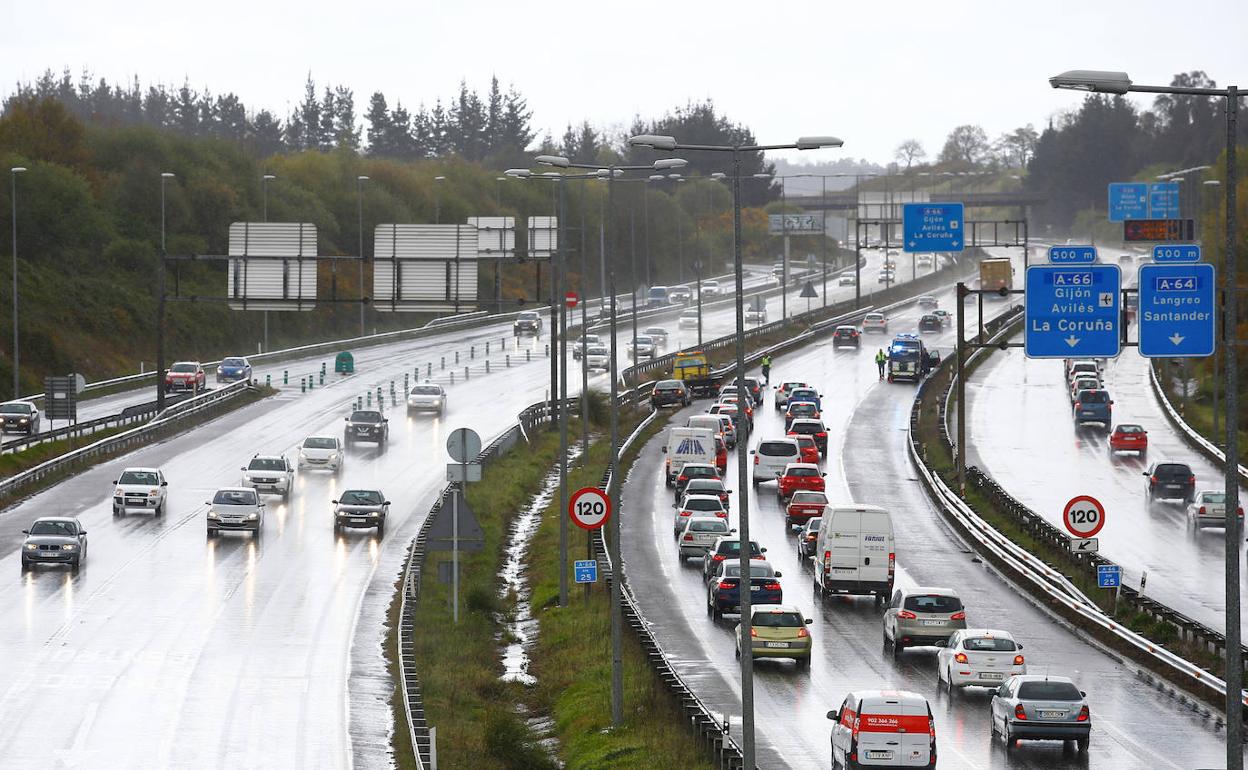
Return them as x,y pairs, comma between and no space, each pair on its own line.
1072,340
1176,338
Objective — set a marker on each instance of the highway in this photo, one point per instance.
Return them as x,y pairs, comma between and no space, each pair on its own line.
171,650
867,422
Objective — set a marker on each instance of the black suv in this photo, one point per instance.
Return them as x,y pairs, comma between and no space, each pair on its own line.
846,335
930,323
669,392
528,322
366,425
1171,481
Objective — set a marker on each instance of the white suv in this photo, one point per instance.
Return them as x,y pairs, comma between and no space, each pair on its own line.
140,488
771,456
270,474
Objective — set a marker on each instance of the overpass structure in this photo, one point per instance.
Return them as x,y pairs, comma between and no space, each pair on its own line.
850,201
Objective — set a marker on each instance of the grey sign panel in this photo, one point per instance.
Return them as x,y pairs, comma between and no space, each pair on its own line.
543,236
441,532
496,237
423,268
272,266
60,398
794,224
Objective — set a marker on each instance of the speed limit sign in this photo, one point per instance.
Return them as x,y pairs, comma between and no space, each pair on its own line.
589,508
1084,516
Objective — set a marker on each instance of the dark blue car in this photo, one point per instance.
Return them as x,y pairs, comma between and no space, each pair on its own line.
723,592
233,370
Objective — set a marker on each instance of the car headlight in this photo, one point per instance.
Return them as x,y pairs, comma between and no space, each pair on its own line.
213,515
118,492
154,493
253,516
32,547
220,370
22,420
69,547
374,514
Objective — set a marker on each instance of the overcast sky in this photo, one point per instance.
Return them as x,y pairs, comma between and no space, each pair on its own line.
873,73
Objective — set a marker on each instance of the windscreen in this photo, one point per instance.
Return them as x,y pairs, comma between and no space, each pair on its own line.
803,472
933,603
1048,691
1173,470
58,528
15,408
234,497
266,464
426,390
776,449
1094,397
1216,498
233,362
360,497
708,526
809,498
363,416
756,570
711,504
319,442
140,478
182,368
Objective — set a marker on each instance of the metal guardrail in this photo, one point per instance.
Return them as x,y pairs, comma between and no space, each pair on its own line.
1189,434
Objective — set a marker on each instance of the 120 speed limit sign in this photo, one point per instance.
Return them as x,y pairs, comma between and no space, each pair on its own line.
589,508
1084,516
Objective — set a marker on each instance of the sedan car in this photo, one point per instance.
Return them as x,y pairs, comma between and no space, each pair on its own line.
427,397
799,476
1042,708
54,540
597,357
186,375
927,300
711,289
357,508
644,348
1209,509
847,279
688,319
1129,438
19,417
658,334
270,474
321,452
846,336
235,508
586,340
755,315
728,549
723,591
979,657
778,631
945,316
808,538
366,425
697,505
886,275
1171,481
527,322
670,393
875,322
143,489
233,369
804,506
679,294
920,617
930,323
700,534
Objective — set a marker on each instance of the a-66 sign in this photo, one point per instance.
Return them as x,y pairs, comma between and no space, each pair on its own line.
1083,516
589,508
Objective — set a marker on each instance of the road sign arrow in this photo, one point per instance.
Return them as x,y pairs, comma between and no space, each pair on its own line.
1072,340
1176,338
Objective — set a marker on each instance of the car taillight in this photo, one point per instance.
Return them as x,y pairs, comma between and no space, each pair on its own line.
892,567
906,615
685,513
722,514
1240,511
958,616
718,557
822,434
753,631
1202,510
1083,715
1018,660
961,658
1019,713
1191,479
827,557
756,459
772,586
1152,479
682,477
726,584
802,633
759,557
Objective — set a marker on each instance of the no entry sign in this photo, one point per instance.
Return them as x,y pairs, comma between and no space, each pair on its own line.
1084,516
570,299
589,508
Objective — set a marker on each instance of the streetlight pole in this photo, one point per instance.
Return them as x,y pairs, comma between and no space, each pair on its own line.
13,172
669,144
1211,184
1119,83
437,199
165,176
264,194
359,211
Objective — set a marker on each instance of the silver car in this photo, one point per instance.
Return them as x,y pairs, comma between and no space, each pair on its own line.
700,533
54,540
361,508
270,474
922,617
697,505
658,334
1041,708
643,348
235,508
979,657
426,397
321,452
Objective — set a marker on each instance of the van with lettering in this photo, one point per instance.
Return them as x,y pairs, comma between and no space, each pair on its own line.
883,728
688,445
855,552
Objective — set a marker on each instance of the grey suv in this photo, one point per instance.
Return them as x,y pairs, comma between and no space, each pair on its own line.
920,617
361,508
366,425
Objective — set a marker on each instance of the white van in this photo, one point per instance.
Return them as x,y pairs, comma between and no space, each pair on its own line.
855,552
687,445
883,728
771,456
711,422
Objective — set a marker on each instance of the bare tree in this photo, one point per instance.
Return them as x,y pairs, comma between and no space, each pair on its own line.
909,152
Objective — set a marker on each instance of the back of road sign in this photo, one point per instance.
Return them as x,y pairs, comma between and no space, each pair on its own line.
1072,311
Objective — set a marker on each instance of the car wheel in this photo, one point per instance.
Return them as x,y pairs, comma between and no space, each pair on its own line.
160,509
1007,734
116,511
1082,744
212,533
710,605
25,565
737,650
75,564
898,648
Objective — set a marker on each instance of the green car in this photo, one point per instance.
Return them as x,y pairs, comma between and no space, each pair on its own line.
779,631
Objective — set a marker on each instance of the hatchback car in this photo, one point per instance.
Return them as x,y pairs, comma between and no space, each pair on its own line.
366,425
929,323
945,317
809,449
679,294
714,487
1209,509
697,505
847,279
796,409
1081,383
783,390
778,631
54,540
235,508
597,357
19,417
979,657
1043,708
875,322
803,506
669,393
726,549
690,471
927,300
233,369
644,348
1171,481
186,375
321,452
700,534
808,426
658,334
143,489
771,457
689,319
921,617
271,474
1093,406
358,508
1129,438
808,538
846,336
527,322
427,397
723,591
711,289
799,476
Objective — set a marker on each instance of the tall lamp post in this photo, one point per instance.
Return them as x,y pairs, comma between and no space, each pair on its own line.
437,199
1118,83
359,212
13,172
264,197
669,144
1212,185
165,176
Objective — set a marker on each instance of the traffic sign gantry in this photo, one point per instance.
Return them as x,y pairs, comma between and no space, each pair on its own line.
932,227
1072,311
1072,255
589,508
1128,200
1083,516
1177,310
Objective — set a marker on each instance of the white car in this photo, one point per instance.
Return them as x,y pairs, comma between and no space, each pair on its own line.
755,316
1209,509
269,474
710,289
847,279
140,489
597,357
321,452
586,340
427,397
694,506
699,534
979,657
644,348
688,319
235,508
875,322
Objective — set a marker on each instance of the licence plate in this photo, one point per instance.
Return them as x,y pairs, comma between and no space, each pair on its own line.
879,755
933,622
756,588
991,675
780,645
1052,714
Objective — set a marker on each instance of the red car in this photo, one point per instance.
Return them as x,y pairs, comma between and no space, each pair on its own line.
799,477
804,506
1129,438
808,448
721,453
186,375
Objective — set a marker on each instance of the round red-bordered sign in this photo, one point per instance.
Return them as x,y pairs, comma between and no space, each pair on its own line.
570,299
1083,516
589,508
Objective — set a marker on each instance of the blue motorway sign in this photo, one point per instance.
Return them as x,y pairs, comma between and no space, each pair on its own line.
932,227
1128,200
1179,252
1163,200
586,571
1108,576
1177,310
1072,255
1072,311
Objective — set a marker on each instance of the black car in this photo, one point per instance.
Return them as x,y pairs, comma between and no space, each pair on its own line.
366,425
930,323
846,335
752,386
693,471
527,322
727,548
1171,481
669,393
811,427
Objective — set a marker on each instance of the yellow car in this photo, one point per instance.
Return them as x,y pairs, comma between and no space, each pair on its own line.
779,631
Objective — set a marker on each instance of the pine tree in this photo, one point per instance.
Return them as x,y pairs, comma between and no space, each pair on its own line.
493,117
568,145
325,132
346,132
186,110
309,119
587,144
266,134
380,127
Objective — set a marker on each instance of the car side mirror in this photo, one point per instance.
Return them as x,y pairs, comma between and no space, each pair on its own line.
83,532
809,621
242,469
779,575
762,550
335,502
663,450
27,531
164,483
728,491
207,503
114,481
734,529
835,716
825,474
1019,646
673,505
752,451
346,419
1145,473
942,642
1082,693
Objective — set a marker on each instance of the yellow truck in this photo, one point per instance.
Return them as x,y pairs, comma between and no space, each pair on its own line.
694,370
996,274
